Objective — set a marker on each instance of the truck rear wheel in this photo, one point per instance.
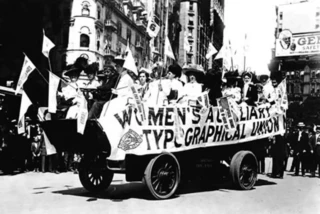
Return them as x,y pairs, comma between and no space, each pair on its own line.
162,176
94,174
243,169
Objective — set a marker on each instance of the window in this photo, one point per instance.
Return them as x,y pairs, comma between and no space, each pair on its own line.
190,20
189,59
119,30
98,45
98,12
281,16
129,35
84,40
190,5
85,8
190,32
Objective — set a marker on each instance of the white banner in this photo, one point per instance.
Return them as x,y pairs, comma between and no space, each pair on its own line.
128,135
53,87
82,114
299,44
27,68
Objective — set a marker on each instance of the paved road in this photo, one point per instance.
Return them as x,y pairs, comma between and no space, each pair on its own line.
62,193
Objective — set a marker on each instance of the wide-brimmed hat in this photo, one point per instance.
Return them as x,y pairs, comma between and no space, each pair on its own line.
119,60
104,72
247,73
301,124
192,69
92,68
72,71
175,69
263,78
317,127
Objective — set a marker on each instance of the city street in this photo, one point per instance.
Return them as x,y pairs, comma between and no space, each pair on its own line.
62,193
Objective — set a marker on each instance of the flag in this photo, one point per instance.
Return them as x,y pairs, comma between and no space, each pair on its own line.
27,68
82,114
21,126
50,149
222,53
47,45
168,50
211,51
53,87
153,28
186,42
25,103
129,62
246,45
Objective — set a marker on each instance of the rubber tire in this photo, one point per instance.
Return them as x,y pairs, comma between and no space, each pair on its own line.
235,169
106,176
148,171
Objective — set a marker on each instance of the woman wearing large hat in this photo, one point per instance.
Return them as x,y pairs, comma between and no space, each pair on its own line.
193,89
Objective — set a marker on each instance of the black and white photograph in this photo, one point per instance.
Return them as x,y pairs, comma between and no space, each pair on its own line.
159,106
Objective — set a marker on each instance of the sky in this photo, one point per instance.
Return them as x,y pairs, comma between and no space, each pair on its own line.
257,19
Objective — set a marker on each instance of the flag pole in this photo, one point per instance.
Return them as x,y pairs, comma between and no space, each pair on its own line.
244,62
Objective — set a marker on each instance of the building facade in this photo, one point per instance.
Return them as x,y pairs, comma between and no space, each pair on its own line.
297,56
101,29
201,22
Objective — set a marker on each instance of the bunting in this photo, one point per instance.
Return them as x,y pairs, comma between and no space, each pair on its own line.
27,68
129,62
47,45
53,87
168,50
211,51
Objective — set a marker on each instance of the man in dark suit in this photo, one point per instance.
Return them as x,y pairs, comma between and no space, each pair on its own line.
314,143
249,90
301,148
278,153
103,94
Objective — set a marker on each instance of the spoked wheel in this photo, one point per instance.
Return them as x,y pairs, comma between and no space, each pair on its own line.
162,176
243,169
94,174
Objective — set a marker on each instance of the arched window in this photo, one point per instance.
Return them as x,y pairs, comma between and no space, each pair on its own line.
85,8
84,40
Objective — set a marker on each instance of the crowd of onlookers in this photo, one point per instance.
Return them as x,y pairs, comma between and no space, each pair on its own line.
301,144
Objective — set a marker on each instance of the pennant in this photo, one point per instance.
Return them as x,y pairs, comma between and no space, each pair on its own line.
82,114
25,103
186,42
211,51
226,115
21,126
246,45
50,149
53,87
129,62
153,28
27,68
47,45
168,50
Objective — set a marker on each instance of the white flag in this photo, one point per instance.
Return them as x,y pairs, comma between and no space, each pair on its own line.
153,28
186,42
50,149
25,103
21,126
47,45
27,68
168,50
53,87
211,51
129,62
82,115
